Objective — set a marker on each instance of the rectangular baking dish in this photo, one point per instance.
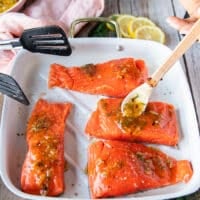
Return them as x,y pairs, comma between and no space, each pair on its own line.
31,71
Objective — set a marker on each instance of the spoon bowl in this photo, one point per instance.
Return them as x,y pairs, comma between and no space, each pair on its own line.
136,101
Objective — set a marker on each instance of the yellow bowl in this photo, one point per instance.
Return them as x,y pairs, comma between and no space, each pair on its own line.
17,6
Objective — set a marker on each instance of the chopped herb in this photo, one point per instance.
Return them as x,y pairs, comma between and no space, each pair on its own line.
39,164
140,155
131,124
89,69
41,123
159,162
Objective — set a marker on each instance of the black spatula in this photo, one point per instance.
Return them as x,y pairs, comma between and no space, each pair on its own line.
11,88
50,40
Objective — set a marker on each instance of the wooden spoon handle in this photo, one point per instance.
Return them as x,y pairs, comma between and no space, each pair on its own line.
180,49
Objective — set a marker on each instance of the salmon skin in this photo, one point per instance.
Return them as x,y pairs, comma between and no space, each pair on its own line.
158,124
43,168
117,168
115,78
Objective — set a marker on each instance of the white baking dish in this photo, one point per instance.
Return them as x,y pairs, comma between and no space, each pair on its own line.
31,71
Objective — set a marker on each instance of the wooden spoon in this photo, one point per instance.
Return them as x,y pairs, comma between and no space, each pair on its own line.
135,102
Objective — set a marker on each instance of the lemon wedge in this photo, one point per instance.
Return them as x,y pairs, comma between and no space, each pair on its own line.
137,23
150,33
124,21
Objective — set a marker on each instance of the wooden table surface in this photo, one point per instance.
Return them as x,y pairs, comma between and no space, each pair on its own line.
158,11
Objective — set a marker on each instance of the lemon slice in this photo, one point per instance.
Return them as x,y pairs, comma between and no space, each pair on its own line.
150,33
138,22
124,21
113,17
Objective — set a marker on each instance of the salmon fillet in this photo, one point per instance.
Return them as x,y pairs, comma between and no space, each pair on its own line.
118,168
158,124
43,168
115,78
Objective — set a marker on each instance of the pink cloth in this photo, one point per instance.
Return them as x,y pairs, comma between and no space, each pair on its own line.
41,13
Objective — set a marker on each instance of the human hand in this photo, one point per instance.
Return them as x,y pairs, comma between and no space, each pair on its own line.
44,13
184,25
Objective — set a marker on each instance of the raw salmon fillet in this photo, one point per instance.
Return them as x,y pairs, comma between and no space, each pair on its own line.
43,168
115,78
118,168
158,124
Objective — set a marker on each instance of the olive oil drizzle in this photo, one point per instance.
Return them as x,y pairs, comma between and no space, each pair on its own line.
46,150
130,124
133,107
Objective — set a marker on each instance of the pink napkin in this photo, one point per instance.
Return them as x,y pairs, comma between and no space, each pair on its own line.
41,13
